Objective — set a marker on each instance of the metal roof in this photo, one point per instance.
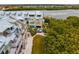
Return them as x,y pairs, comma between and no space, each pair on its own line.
31,12
39,12
1,12
2,41
4,25
18,17
10,19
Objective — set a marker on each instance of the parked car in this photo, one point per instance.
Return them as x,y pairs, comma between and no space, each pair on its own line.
39,30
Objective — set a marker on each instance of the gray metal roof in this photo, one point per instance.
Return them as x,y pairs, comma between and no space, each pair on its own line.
2,41
4,25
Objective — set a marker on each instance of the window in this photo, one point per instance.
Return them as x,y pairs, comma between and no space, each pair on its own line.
21,20
38,15
25,14
12,41
17,46
8,28
31,15
19,14
17,36
21,46
27,22
26,18
17,30
38,26
11,28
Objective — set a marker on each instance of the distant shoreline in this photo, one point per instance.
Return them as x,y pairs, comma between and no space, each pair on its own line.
20,9
47,8
39,7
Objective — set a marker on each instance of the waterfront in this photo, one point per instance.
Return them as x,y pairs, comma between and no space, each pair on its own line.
59,14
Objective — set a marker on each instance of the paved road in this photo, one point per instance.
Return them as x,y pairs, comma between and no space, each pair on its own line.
28,48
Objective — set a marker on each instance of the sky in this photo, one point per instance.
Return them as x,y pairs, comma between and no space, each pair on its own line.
39,1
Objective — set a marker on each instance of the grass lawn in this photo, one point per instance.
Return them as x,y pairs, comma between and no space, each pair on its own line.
38,45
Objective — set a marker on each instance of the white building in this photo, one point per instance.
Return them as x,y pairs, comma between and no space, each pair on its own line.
13,29
11,36
36,19
4,25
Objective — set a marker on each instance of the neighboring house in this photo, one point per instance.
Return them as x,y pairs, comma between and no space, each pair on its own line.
35,19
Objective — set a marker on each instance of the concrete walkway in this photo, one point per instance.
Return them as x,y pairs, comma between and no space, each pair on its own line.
42,34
